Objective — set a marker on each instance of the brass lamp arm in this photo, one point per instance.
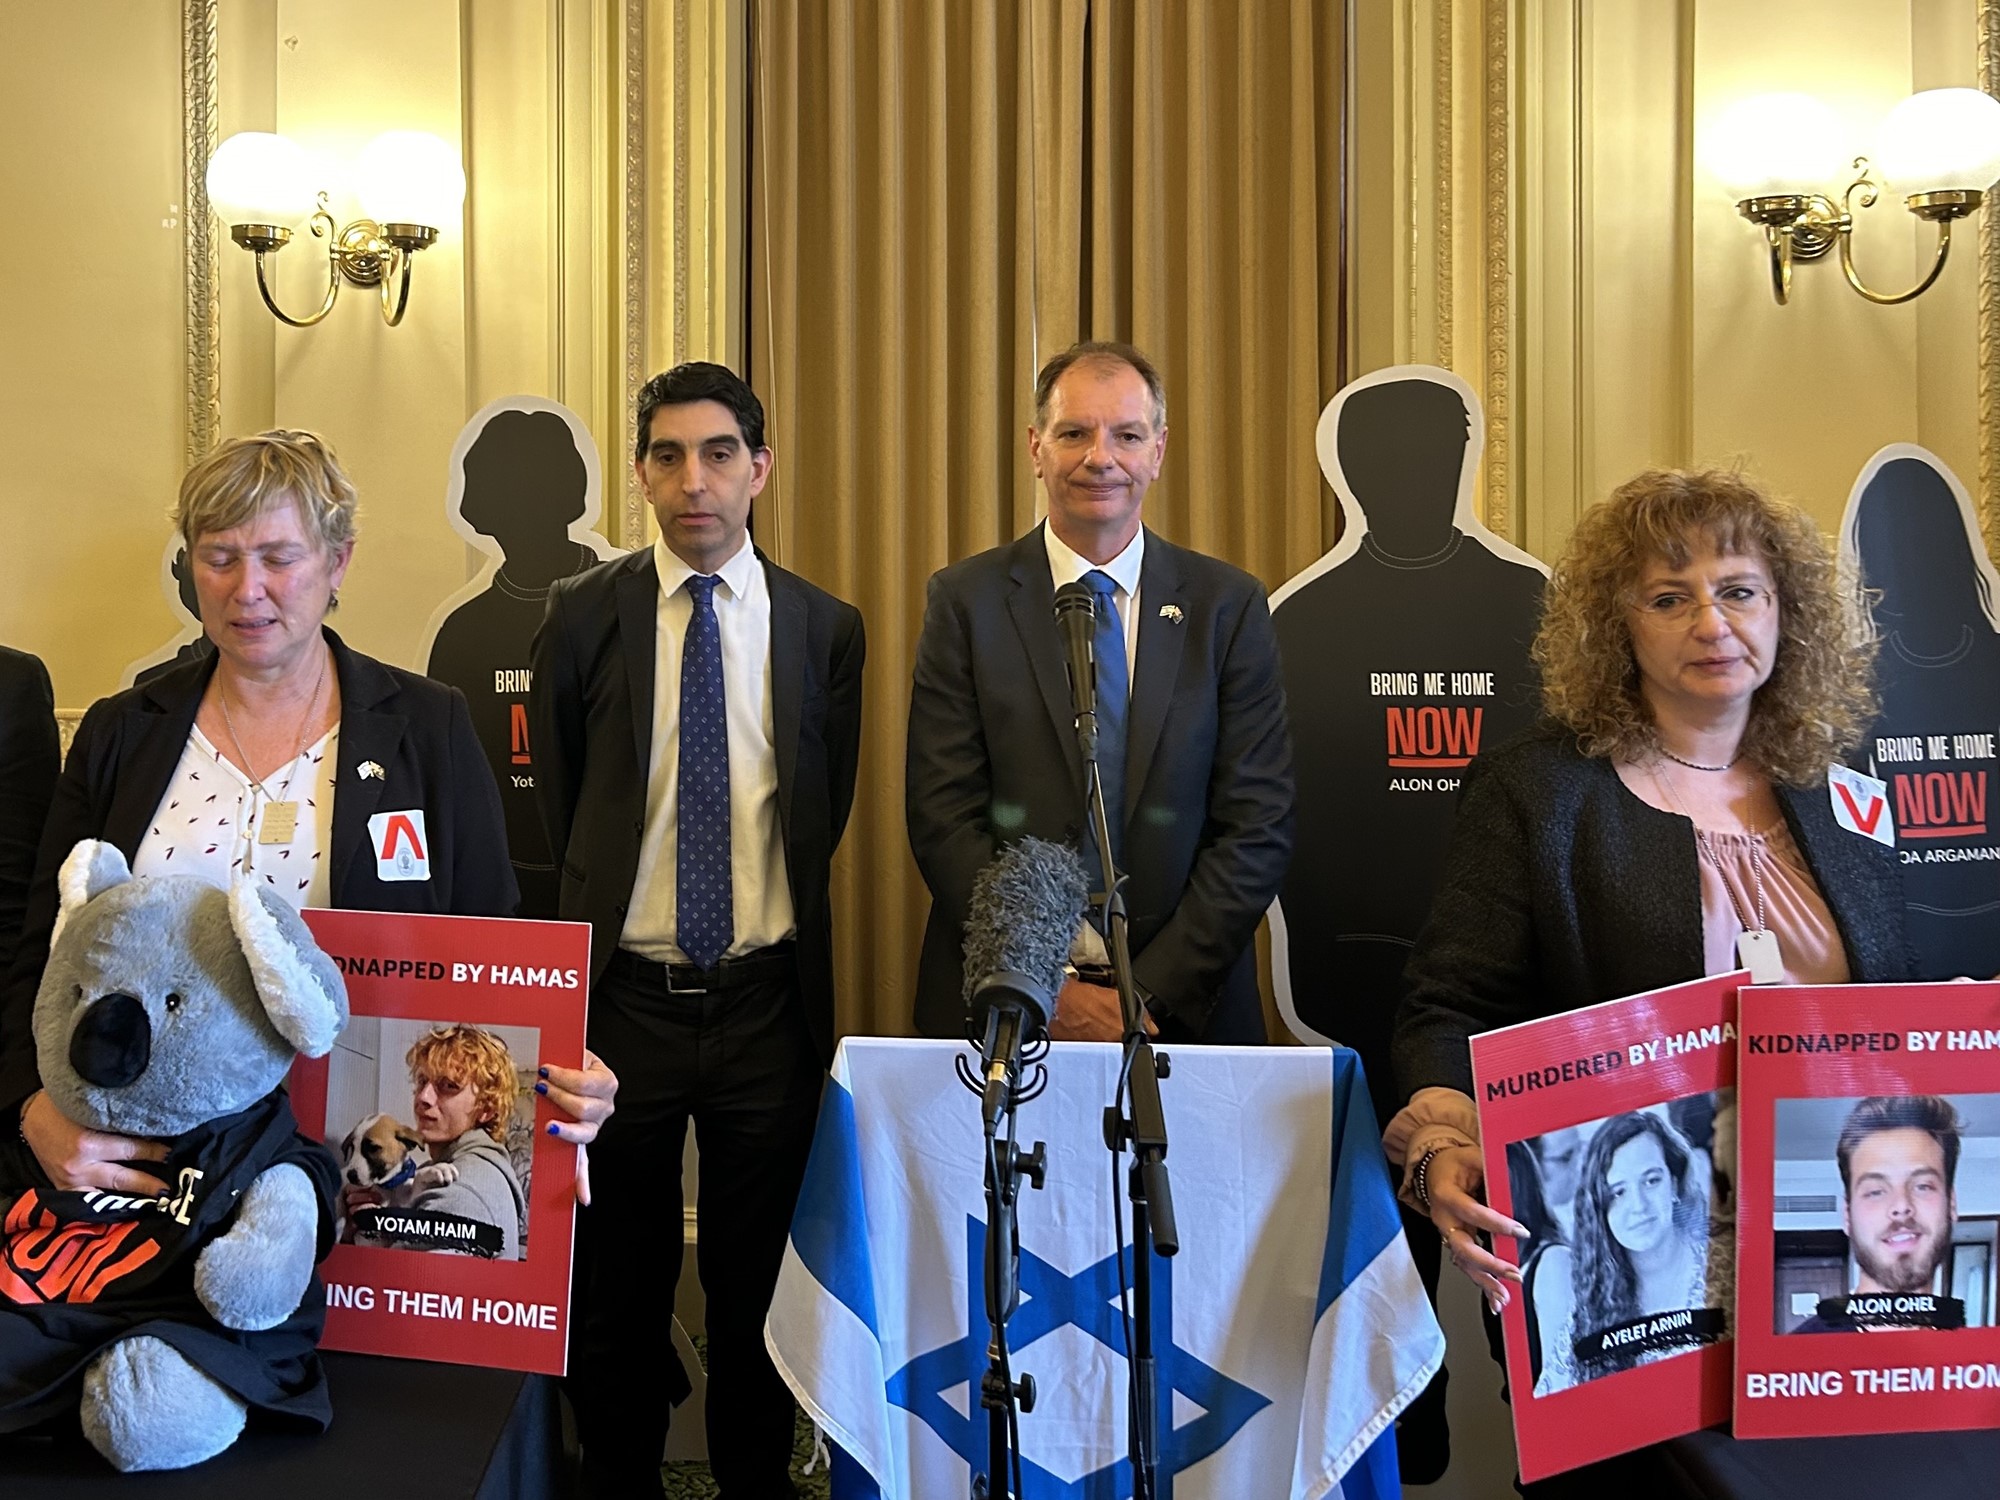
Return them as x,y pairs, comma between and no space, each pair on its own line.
264,291
365,253
1884,299
1805,226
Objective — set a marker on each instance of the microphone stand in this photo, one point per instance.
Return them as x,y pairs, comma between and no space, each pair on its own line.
999,1392
1145,1127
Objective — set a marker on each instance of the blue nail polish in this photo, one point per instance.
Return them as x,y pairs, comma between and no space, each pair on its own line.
541,1088
544,1072
553,1130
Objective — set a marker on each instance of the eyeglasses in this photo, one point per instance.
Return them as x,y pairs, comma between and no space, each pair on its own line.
1740,603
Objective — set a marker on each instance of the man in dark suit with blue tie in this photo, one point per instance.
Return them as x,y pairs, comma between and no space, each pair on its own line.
1188,681
696,716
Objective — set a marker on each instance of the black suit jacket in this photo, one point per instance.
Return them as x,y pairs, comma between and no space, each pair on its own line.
1562,889
30,759
1208,780
590,717
416,730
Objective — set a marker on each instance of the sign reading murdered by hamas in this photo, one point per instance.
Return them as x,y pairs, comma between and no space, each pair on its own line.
1911,533
1609,1134
525,488
1405,652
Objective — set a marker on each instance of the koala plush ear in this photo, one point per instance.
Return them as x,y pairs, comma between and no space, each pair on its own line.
91,868
301,989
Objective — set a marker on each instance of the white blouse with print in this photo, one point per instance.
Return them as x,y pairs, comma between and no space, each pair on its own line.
206,824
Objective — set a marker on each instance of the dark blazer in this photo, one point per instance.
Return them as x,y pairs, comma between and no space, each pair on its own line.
1208,782
418,731
590,716
1562,889
30,760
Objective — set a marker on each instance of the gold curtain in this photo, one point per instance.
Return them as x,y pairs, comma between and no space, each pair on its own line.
943,195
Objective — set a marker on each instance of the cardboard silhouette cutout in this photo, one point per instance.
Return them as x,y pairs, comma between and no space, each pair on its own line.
1912,535
1405,651
525,488
190,642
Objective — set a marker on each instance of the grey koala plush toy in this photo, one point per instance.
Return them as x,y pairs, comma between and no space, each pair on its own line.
173,1010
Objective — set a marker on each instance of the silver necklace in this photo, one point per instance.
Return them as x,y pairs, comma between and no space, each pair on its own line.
278,819
1694,765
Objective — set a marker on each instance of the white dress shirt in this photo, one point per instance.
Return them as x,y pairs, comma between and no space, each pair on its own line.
761,893
1066,566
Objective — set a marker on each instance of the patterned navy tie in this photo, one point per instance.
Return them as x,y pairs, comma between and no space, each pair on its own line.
705,912
1114,691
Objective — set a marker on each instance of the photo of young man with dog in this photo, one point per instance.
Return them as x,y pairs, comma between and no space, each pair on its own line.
444,1182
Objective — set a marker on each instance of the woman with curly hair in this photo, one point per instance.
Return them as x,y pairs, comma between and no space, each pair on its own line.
1641,1250
1701,668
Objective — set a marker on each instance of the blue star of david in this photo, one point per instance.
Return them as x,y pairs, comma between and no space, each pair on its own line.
1089,1300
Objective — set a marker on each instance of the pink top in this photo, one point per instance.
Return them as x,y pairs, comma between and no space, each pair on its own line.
1808,942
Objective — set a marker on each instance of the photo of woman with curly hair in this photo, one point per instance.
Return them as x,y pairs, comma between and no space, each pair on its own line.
1640,1251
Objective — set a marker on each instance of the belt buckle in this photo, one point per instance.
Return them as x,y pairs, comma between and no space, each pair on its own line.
680,989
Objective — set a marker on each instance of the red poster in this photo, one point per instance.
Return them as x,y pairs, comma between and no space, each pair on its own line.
1870,1207
1609,1132
462,1251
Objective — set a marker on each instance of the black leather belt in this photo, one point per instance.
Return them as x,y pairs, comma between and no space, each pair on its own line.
760,966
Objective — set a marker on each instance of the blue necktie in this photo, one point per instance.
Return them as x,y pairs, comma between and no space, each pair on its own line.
1114,691
705,920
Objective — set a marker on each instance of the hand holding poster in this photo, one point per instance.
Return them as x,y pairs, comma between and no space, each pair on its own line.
1870,1205
1609,1133
457,1206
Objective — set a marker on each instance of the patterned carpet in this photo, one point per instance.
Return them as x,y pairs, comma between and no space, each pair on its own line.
691,1481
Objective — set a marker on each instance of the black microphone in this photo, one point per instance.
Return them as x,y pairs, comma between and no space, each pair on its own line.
1024,912
1076,618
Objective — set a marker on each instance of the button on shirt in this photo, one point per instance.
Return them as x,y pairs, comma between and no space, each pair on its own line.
761,892
1066,566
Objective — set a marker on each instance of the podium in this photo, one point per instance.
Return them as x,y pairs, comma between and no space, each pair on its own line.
1292,1326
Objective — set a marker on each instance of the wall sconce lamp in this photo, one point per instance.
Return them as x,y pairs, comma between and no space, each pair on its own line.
409,183
1940,149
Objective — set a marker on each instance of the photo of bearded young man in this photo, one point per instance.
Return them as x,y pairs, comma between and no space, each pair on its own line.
1910,1263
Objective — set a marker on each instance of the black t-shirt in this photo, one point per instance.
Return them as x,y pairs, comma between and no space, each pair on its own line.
1396,675
80,1271
482,650
1935,745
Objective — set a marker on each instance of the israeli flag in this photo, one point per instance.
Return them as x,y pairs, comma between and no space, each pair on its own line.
1291,1328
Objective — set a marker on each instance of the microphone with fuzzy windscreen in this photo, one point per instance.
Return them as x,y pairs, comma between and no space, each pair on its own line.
1023,914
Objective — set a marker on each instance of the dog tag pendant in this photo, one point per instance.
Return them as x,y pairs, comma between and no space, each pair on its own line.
278,822
1758,952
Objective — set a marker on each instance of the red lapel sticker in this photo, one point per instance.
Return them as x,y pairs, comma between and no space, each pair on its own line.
1860,804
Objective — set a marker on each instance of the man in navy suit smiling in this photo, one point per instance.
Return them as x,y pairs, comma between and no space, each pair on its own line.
1202,793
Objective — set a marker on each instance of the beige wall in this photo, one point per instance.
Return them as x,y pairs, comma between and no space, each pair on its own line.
1634,324
525,294
90,390
1804,394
